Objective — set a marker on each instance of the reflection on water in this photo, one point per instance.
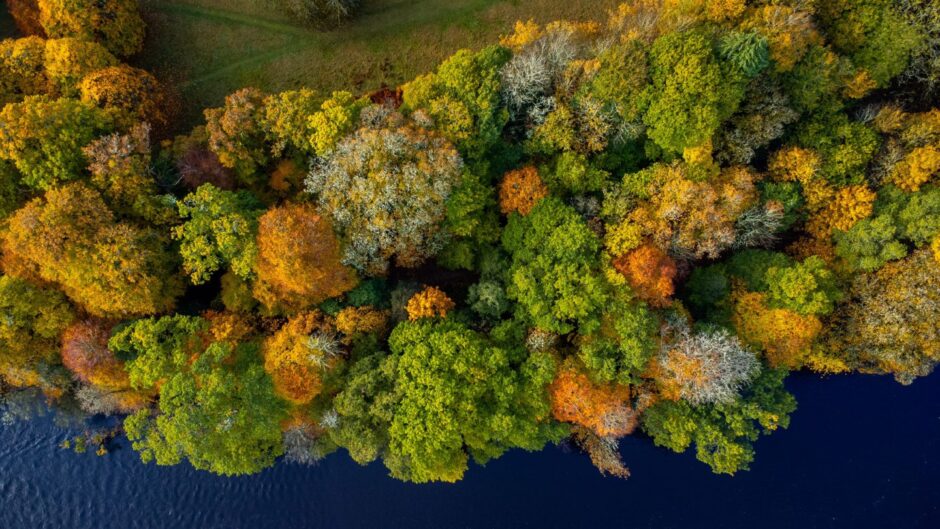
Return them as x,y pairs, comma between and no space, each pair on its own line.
861,452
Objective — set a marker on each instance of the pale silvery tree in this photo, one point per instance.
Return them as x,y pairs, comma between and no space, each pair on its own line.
709,367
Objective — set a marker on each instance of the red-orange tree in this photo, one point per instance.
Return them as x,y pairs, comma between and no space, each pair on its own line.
605,409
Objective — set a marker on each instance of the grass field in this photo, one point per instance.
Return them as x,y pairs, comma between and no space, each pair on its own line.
209,48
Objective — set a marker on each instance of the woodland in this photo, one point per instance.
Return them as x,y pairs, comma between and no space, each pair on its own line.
581,230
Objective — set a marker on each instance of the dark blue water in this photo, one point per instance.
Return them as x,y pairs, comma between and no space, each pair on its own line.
862,452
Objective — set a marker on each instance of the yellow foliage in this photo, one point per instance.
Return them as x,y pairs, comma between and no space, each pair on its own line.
849,205
623,237
785,336
859,85
789,32
935,248
917,168
724,10
524,33
890,119
700,154
794,164
354,320
429,303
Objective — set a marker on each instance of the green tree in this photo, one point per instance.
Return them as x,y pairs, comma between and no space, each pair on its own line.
805,288
620,349
463,98
220,413
157,348
692,90
723,433
554,273
43,138
219,231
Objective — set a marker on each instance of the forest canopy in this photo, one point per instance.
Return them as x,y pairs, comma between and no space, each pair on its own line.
583,231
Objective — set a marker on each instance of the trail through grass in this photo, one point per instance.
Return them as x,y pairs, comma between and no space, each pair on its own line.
209,48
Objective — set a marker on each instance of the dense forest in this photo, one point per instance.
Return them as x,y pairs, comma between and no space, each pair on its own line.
587,230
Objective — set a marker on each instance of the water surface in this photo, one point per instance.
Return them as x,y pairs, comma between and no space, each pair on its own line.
861,452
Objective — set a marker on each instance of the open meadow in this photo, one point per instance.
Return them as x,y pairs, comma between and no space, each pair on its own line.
210,48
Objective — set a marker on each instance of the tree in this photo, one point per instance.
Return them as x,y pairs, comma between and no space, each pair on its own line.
459,393
43,138
688,103
605,409
322,13
463,98
620,349
85,352
723,433
156,348
22,69
873,33
705,367
297,119
131,94
888,324
386,191
221,414
298,262
33,319
650,273
554,275
431,302
120,167
116,24
784,336
807,288
219,231
236,135
67,61
520,190
693,218
69,237
300,355
25,14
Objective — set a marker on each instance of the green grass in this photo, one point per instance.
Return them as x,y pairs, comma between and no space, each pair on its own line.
210,48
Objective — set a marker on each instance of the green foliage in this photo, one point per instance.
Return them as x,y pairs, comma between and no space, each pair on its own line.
462,97
620,350
870,243
31,320
723,433
751,266
336,118
622,79
488,299
219,230
692,92
846,146
572,173
43,138
747,52
554,274
805,288
221,415
155,349
873,33
462,395
366,407
788,195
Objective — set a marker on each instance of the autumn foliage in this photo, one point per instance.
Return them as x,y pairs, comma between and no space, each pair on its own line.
605,409
431,302
85,352
299,354
299,258
650,273
520,190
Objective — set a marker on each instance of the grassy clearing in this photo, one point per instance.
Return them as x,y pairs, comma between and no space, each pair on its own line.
209,48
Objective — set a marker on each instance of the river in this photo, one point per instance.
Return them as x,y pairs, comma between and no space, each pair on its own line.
861,452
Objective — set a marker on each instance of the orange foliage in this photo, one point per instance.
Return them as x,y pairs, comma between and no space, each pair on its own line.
521,190
429,303
299,258
299,354
785,336
605,409
355,320
85,352
231,327
789,32
650,273
25,14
